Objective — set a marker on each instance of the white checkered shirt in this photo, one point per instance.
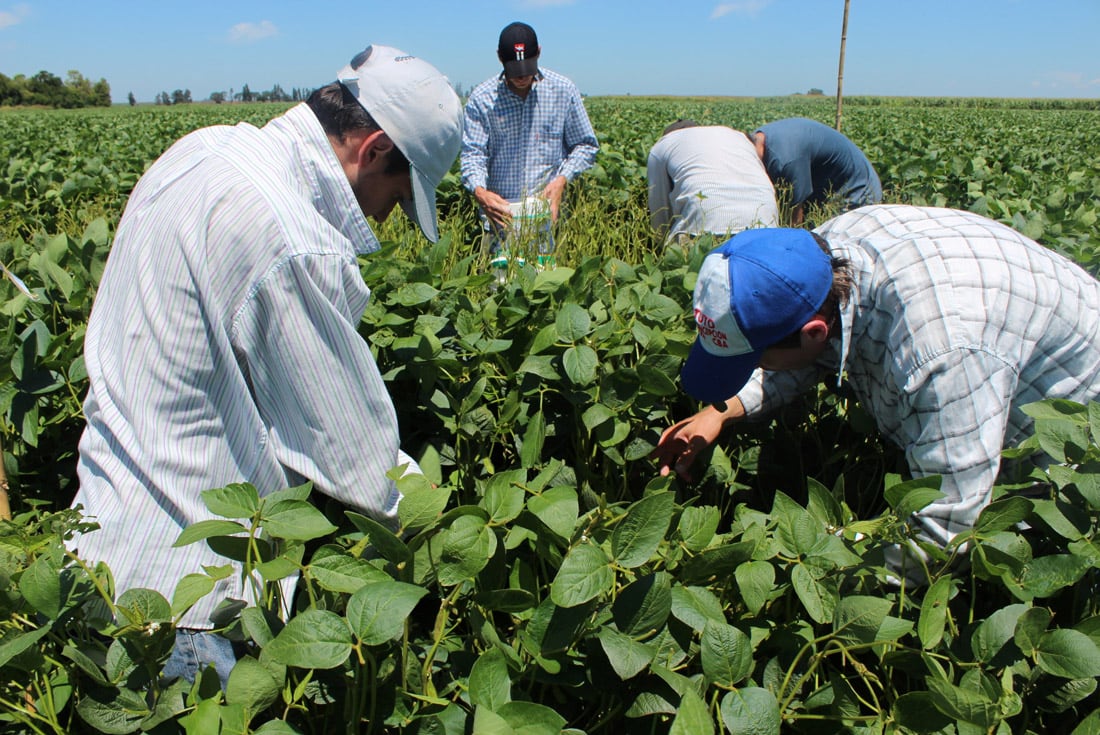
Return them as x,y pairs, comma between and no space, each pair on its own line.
955,322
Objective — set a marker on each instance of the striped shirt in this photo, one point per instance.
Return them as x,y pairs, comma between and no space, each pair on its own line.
514,146
223,348
708,179
955,322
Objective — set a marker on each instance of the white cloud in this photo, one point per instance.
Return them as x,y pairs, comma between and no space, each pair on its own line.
15,16
1067,81
249,32
751,8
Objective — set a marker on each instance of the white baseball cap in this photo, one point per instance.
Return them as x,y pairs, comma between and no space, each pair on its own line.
416,107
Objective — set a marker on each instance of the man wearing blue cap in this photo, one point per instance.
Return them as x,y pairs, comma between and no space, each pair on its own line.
944,324
223,345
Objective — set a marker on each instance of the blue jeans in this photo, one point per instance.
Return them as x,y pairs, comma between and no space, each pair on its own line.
197,649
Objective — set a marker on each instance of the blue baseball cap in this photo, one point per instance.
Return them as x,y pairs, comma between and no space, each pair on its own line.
758,287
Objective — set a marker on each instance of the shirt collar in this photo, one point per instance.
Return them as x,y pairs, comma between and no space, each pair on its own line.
323,177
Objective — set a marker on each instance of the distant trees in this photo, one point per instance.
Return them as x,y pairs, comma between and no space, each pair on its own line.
275,94
50,90
131,99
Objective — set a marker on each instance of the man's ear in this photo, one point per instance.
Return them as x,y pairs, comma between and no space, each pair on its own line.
816,330
373,149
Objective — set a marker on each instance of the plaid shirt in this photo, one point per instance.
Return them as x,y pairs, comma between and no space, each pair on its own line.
514,146
955,322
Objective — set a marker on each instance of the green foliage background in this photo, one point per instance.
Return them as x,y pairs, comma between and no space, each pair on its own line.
549,581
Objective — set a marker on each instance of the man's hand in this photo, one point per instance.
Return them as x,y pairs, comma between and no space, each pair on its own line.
495,206
682,442
553,193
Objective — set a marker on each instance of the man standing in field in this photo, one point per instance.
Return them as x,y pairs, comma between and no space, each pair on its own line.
707,179
223,346
526,136
818,163
943,323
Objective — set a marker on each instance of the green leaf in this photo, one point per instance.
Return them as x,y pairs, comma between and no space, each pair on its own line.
1002,515
239,500
534,437
381,538
13,644
549,281
716,563
344,574
751,710
504,496
378,611
755,580
692,717
295,520
557,508
529,718
466,548
572,323
490,683
726,653
251,686
421,504
585,573
643,606
858,618
1030,629
208,529
963,705
908,497
580,363
113,711
627,656
140,606
818,597
933,613
916,712
637,536
695,606
698,525
1047,575
40,585
313,639
991,641
1068,653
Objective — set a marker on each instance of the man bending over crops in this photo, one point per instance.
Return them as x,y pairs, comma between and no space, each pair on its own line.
943,322
818,163
707,179
526,136
223,344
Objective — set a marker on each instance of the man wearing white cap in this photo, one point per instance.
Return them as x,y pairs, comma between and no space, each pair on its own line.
223,347
943,323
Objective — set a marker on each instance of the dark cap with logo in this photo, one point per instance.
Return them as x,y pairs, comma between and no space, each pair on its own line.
518,50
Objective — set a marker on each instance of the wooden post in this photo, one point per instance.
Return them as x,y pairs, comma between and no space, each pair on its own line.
5,506
840,70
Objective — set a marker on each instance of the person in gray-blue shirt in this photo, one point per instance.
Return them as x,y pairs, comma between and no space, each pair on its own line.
817,163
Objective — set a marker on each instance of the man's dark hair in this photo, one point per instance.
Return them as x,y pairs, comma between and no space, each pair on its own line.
340,113
679,125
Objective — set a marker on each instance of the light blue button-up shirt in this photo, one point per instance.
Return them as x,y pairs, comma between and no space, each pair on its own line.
223,347
514,146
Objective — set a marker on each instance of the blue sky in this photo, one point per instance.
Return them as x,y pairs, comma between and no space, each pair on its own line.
985,48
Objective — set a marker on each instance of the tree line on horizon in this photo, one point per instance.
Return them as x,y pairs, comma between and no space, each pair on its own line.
51,90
